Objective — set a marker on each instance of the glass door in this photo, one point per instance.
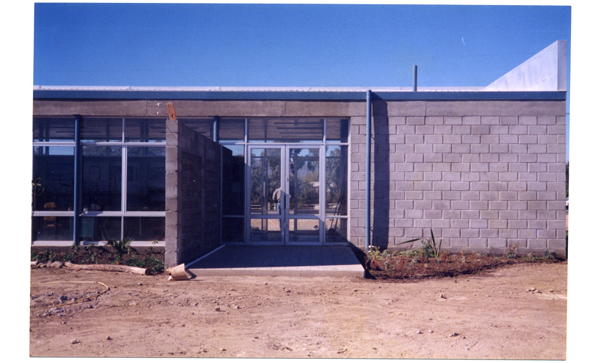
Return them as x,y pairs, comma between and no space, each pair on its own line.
286,196
265,218
303,209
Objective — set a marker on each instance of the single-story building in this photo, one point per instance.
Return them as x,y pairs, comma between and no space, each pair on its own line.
194,168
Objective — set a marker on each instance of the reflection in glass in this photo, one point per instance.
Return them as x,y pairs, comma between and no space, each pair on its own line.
265,174
265,230
53,178
232,129
145,130
336,230
233,229
285,129
144,228
146,178
304,230
337,130
101,185
233,180
102,129
203,126
100,228
304,181
336,182
52,228
53,129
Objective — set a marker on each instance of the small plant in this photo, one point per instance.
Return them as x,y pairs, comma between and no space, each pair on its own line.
430,247
511,251
150,250
121,247
549,255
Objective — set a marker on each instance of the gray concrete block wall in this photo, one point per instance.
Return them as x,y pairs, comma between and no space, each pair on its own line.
482,175
192,195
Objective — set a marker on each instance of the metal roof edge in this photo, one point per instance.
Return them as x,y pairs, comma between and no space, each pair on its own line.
289,95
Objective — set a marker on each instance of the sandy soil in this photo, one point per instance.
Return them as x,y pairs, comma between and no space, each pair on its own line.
516,312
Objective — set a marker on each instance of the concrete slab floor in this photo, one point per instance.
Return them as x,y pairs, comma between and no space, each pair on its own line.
235,260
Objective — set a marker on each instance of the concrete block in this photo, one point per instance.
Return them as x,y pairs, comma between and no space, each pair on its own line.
437,160
527,214
459,242
489,195
490,139
469,233
517,224
424,148
415,120
434,120
461,148
538,130
499,130
442,185
472,120
452,120
461,130
490,120
547,120
489,233
479,148
460,205
508,215
500,243
518,129
422,185
509,120
509,139
433,139
442,130
528,139
493,212
450,233
473,216
471,139
478,243
527,120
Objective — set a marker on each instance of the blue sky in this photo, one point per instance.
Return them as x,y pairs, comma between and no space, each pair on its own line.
287,45
283,45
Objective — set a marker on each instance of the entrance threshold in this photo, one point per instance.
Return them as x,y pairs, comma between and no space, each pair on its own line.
238,260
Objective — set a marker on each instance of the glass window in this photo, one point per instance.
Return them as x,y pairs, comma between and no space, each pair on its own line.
145,130
144,228
146,178
52,228
265,179
285,130
202,126
101,185
337,130
53,129
304,181
102,129
304,230
233,179
100,228
233,229
336,230
336,182
265,230
232,129
53,178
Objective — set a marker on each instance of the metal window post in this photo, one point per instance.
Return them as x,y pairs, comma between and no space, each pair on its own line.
77,182
368,176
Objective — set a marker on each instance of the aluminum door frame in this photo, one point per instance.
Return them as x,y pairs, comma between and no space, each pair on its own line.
284,217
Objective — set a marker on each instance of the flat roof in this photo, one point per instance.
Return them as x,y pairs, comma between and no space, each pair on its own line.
285,93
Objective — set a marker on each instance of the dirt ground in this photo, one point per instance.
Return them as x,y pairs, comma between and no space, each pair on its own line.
514,312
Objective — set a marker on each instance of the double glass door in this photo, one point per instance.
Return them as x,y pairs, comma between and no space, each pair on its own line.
286,194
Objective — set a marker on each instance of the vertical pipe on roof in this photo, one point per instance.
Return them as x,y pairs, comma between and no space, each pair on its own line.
415,78
77,181
368,176
216,128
